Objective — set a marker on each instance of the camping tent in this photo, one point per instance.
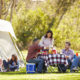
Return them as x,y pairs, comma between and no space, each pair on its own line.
7,42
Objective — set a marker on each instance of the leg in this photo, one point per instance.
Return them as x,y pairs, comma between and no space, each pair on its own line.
11,67
5,64
14,67
79,62
39,63
44,67
75,63
17,66
69,63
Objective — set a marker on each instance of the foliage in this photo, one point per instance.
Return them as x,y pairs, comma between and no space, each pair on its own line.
32,25
33,19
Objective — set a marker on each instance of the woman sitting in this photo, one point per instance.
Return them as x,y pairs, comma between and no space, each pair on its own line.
11,65
47,40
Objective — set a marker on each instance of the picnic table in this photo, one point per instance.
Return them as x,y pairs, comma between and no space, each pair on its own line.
51,59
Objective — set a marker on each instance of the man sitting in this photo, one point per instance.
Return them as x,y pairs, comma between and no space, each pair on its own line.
69,53
32,55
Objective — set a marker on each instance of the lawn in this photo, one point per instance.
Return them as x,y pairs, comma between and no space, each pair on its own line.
47,76
21,75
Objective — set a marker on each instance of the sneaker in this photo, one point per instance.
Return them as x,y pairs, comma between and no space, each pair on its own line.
72,71
17,70
5,70
75,69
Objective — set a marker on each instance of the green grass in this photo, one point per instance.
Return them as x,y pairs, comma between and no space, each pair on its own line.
21,75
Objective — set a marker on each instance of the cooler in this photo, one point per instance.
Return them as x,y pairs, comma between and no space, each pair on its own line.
30,68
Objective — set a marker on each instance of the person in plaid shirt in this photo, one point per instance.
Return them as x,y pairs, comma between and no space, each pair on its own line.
73,60
32,55
69,53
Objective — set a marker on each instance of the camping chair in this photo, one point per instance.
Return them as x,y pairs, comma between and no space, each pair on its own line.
52,68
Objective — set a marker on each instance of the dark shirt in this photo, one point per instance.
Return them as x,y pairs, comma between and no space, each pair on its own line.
11,62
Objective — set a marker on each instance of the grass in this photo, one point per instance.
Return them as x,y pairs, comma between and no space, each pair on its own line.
21,75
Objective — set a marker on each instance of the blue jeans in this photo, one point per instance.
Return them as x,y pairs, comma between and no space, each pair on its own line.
75,63
5,64
69,63
39,62
13,67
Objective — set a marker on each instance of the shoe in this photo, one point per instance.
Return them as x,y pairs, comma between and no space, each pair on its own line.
75,69
5,70
72,71
17,70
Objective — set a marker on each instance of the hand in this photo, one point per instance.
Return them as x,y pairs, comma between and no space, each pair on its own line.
36,54
67,57
15,64
8,60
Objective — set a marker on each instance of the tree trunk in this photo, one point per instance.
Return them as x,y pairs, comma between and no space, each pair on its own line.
60,13
12,7
1,6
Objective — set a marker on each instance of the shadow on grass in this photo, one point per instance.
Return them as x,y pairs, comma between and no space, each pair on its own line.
12,73
23,72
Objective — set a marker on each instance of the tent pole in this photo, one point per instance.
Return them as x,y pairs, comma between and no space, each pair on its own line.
20,53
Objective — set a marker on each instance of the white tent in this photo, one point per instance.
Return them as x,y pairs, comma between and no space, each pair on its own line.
7,43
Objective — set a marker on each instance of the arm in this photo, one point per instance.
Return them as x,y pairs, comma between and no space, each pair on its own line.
38,47
42,42
17,64
71,55
64,54
52,43
62,51
33,48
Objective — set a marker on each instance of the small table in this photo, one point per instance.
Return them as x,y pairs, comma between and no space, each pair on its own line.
51,59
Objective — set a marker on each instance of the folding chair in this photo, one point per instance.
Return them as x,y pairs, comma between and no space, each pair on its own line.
52,68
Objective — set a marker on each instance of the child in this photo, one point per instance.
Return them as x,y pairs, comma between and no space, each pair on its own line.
12,64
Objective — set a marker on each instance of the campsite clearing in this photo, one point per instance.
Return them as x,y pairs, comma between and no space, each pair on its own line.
21,75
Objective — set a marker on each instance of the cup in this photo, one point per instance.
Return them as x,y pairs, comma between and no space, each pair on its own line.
76,54
54,51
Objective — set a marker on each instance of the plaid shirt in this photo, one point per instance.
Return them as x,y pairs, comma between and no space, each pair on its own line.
69,53
33,51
